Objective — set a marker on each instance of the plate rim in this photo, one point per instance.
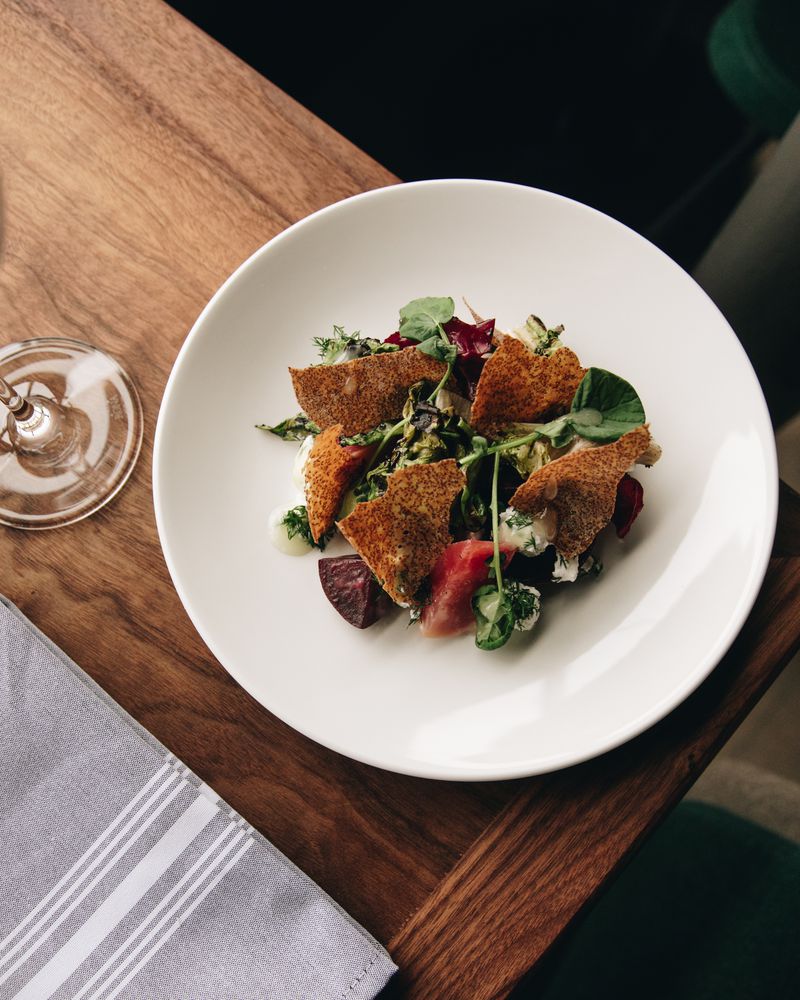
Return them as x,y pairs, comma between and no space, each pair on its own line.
471,771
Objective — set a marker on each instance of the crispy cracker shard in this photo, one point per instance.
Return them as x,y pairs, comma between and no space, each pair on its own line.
401,534
581,487
518,386
329,471
361,394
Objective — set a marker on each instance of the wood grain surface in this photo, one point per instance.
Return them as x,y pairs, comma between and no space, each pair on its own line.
141,163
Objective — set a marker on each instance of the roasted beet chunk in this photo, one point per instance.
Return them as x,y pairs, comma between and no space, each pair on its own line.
352,589
630,500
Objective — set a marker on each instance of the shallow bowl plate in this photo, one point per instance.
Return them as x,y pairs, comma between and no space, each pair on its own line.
609,657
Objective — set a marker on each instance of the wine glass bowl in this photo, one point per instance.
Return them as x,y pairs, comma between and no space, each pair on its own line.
72,433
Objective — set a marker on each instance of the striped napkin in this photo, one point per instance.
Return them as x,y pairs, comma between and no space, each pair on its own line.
123,875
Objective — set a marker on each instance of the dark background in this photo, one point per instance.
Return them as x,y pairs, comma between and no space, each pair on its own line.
611,103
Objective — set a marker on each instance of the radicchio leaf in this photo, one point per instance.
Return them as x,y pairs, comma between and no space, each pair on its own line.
473,340
474,343
401,342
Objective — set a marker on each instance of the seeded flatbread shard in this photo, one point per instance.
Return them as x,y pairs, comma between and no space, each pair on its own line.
582,488
329,471
518,386
361,394
401,534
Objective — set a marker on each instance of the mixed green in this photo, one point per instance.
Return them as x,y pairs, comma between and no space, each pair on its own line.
435,425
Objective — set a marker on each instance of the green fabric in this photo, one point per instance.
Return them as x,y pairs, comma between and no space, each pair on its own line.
754,49
709,909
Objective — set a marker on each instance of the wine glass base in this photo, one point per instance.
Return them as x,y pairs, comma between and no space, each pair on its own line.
103,406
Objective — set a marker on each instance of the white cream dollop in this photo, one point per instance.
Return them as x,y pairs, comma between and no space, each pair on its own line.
526,624
565,570
531,535
279,536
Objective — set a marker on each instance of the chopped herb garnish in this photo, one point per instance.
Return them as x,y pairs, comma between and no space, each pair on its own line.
296,523
525,604
348,346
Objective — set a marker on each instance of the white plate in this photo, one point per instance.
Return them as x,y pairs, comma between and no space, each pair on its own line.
609,657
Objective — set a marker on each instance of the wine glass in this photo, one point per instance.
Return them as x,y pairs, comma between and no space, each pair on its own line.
72,433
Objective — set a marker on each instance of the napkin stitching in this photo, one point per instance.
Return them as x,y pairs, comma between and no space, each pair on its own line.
360,976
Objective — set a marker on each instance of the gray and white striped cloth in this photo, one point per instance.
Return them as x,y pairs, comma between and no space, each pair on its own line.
123,875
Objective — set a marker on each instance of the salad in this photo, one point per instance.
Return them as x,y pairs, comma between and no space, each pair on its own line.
469,468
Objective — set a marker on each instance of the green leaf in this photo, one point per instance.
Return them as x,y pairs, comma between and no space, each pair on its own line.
494,617
421,318
438,349
367,437
559,431
528,458
374,483
472,506
293,428
605,407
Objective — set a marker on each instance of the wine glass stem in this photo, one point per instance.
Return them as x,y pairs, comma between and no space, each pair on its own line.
20,407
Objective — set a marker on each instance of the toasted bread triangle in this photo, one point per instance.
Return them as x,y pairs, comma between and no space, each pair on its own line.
330,469
581,487
518,386
361,394
401,534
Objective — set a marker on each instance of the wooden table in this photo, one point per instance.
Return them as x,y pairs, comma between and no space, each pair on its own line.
141,163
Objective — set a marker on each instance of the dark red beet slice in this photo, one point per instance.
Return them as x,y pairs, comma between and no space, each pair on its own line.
351,588
630,500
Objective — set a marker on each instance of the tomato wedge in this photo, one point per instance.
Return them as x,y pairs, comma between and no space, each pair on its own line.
457,574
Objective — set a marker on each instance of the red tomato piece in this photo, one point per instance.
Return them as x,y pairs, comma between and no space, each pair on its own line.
457,574
359,453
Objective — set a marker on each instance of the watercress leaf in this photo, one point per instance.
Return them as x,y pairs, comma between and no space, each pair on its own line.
494,617
606,396
421,318
437,348
472,509
559,431
418,328
292,429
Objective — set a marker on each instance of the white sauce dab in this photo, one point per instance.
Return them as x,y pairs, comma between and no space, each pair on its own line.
279,536
565,570
531,535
